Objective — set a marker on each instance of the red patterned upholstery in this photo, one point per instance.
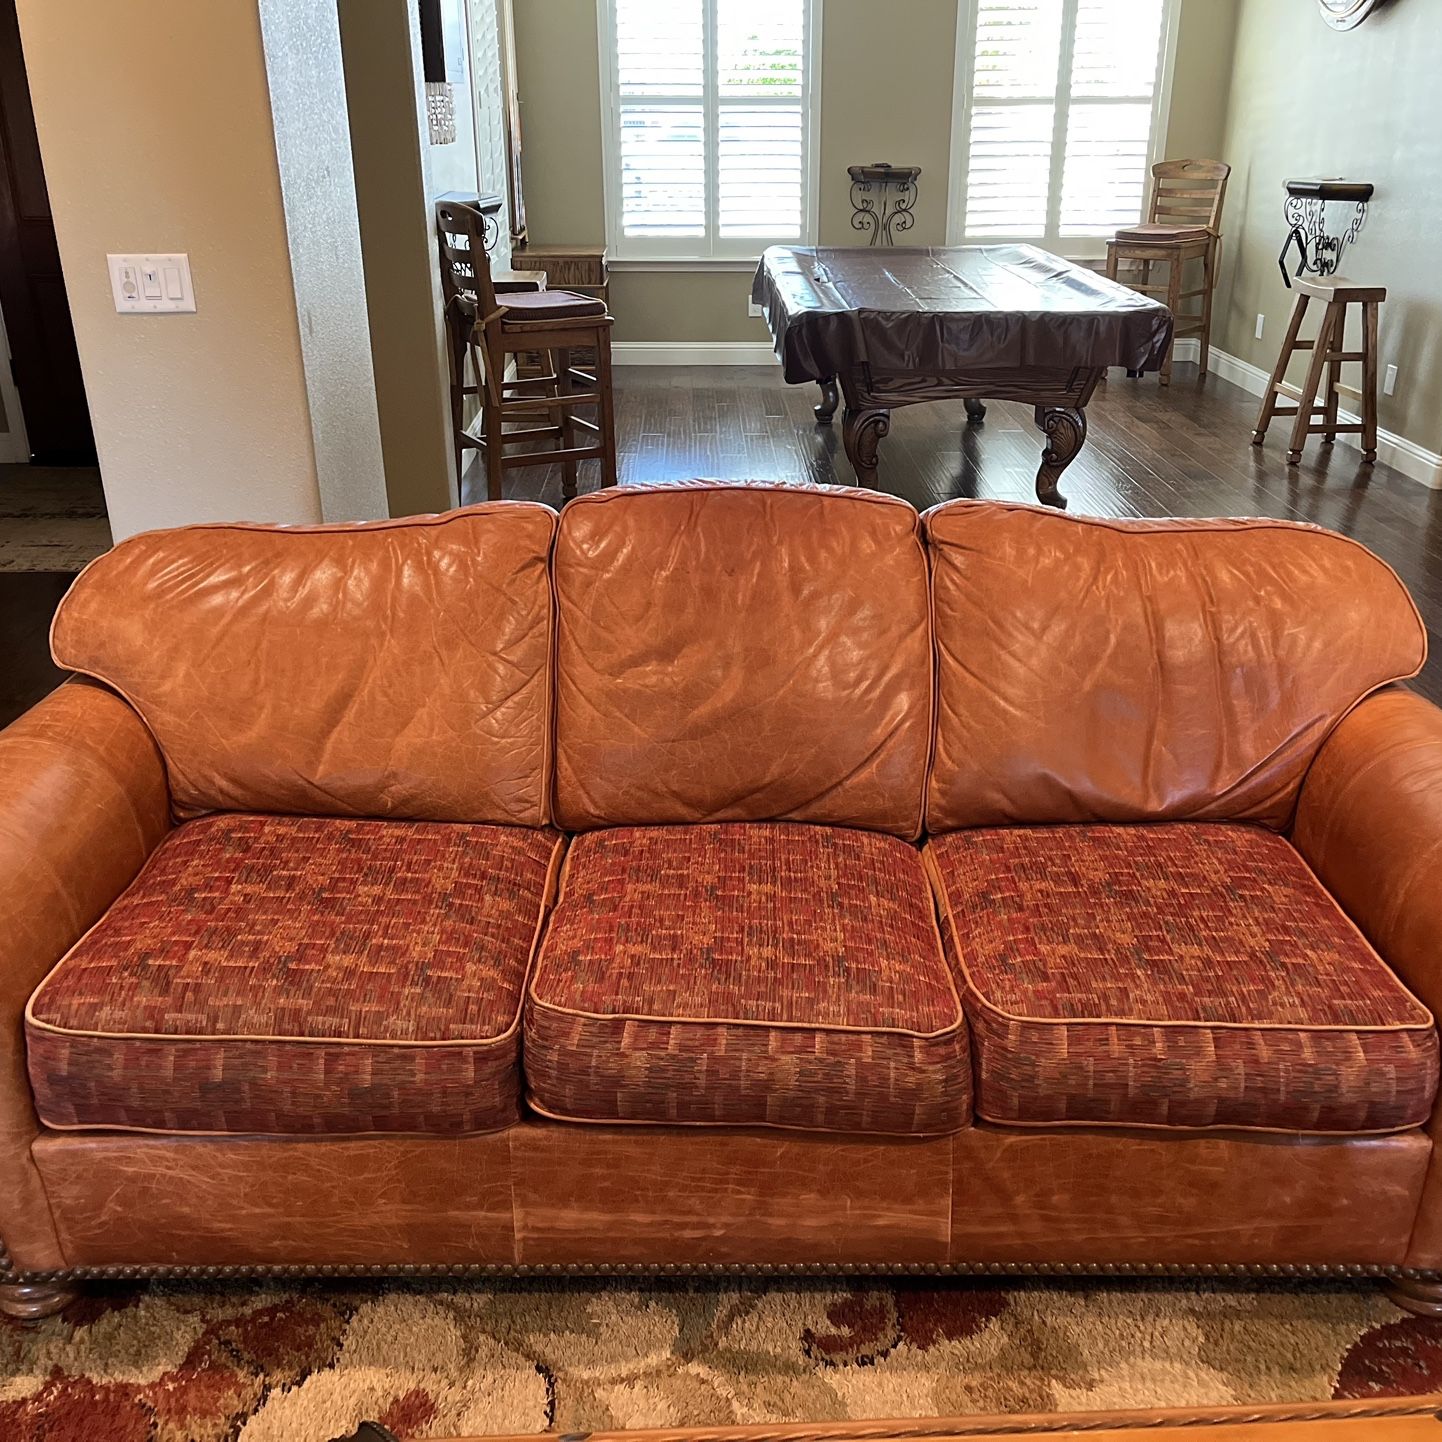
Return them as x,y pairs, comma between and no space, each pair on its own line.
300,975
779,975
1174,975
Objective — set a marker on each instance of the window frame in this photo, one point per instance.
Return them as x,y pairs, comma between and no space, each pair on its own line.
1073,247
709,250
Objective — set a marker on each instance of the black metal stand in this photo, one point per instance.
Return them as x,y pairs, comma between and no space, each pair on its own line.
1317,249
881,199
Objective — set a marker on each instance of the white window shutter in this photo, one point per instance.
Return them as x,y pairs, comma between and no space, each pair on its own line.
760,137
1013,117
1109,128
711,102
1060,117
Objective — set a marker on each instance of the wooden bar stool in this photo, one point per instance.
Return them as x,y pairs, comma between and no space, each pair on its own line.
1183,224
1329,355
552,322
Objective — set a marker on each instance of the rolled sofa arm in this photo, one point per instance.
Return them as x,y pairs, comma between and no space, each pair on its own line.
83,802
1369,823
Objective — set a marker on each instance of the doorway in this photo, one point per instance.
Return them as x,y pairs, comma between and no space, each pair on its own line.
52,510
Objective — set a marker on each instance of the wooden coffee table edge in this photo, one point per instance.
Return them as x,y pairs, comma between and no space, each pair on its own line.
1001,1426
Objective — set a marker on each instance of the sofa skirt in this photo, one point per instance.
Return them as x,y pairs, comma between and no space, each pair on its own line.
545,1195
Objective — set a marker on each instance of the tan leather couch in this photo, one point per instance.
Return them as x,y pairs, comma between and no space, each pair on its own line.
723,876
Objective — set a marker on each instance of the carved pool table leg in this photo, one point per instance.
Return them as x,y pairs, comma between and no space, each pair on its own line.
975,412
1066,431
829,401
862,431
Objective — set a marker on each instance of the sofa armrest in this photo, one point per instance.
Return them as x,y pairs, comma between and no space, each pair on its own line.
1369,823
83,803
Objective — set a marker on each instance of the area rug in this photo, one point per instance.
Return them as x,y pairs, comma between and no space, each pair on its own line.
52,518
165,1364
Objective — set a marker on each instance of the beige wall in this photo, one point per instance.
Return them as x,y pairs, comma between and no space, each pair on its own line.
1362,104
886,94
380,42
1197,115
160,137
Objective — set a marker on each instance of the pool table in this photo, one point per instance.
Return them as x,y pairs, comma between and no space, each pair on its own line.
894,326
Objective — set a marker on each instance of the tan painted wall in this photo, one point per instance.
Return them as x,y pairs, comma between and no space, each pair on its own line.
1363,104
380,43
1197,116
886,94
160,137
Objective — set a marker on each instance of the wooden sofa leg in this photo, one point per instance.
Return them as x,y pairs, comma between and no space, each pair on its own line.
29,1302
1424,1299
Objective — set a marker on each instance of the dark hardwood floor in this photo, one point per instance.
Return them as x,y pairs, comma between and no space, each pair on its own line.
1182,452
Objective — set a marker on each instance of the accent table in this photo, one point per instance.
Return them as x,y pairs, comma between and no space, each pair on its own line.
1400,1419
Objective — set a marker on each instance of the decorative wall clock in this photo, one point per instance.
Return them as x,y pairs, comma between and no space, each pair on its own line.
1344,14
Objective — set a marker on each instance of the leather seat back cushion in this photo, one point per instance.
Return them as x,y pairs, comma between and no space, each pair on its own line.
293,975
783,975
741,653
397,669
1092,670
1175,975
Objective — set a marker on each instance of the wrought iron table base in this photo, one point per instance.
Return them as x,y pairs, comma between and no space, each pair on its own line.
1060,398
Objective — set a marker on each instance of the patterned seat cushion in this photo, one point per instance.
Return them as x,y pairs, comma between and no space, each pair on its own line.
300,975
1184,975
775,975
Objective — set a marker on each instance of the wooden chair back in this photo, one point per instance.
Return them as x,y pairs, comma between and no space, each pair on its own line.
1189,192
465,266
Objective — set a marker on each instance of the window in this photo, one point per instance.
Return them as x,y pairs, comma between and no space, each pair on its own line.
1057,118
709,143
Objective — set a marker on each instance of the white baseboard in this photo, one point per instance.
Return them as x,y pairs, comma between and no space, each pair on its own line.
692,353
1414,461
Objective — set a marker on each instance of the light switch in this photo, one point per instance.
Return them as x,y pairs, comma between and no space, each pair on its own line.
150,284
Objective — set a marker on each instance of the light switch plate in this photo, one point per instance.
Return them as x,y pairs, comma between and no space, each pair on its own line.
151,284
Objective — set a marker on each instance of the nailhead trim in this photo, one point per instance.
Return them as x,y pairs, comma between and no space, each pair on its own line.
1283,1270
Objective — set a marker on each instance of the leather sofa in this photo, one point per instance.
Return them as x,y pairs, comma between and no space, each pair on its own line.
736,877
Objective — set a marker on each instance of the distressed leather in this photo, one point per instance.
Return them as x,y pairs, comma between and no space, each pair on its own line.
1092,670
544,1193
399,669
741,653
84,804
1098,1195
1369,823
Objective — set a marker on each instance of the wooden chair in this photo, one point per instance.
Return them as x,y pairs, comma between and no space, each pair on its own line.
1329,355
1183,224
552,322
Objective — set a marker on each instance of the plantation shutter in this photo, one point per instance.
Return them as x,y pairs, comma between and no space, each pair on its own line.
661,80
711,103
1061,113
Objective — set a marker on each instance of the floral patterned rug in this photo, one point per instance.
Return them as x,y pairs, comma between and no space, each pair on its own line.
167,1364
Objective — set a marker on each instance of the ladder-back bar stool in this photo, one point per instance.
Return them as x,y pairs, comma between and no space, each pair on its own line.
1329,355
552,322
1184,223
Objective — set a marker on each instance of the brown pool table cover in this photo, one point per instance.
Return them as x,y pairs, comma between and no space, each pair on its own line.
932,310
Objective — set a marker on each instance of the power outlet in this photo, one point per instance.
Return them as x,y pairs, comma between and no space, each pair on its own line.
1389,381
1261,324
753,309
